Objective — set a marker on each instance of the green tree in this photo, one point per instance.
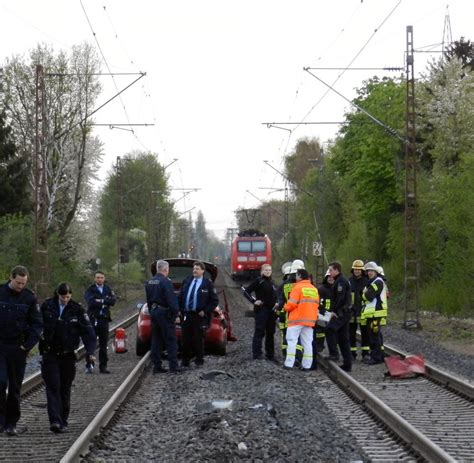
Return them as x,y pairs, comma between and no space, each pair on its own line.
463,50
14,188
135,202
70,153
368,158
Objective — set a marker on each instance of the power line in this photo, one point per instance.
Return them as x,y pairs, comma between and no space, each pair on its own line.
352,61
146,92
108,68
389,129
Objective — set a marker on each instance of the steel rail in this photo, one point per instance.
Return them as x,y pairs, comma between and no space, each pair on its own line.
439,376
81,445
36,379
408,433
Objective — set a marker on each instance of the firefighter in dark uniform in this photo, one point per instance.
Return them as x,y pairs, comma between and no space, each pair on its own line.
324,291
374,311
20,330
100,298
283,292
264,306
358,282
197,299
65,324
164,310
337,330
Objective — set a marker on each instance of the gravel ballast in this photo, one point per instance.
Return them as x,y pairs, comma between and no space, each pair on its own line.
239,409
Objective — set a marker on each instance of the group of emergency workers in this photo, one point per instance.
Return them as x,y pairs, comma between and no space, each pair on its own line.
311,316
58,325
299,306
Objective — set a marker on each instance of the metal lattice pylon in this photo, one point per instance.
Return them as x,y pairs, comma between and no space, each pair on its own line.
411,256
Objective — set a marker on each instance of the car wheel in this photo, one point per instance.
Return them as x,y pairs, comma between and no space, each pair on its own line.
142,347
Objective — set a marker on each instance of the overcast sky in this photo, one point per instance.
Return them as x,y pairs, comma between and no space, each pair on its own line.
218,69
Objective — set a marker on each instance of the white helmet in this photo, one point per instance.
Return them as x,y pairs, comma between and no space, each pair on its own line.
371,266
380,271
297,265
286,268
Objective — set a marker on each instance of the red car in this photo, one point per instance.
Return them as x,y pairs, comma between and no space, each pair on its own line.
219,331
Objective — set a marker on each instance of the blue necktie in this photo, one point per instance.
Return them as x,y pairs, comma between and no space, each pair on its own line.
191,296
61,308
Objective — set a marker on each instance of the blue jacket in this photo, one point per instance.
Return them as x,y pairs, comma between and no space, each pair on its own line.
20,318
206,298
62,335
159,292
99,303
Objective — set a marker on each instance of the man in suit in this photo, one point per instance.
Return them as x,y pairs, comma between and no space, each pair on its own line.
197,299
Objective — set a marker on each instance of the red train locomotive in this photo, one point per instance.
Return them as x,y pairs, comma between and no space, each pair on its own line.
250,250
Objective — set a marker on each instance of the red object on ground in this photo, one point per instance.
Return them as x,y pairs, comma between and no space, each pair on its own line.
409,366
120,341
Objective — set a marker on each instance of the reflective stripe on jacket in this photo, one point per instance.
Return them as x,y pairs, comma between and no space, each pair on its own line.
376,300
303,304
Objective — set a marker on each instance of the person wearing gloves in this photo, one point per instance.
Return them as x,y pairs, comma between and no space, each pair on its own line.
65,324
262,293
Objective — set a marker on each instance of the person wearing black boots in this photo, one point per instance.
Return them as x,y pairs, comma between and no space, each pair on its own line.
263,295
65,325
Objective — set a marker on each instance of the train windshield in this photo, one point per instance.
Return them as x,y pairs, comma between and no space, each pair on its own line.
251,246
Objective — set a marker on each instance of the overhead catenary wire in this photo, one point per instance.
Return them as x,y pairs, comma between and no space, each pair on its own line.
352,60
389,129
108,68
146,91
291,131
285,141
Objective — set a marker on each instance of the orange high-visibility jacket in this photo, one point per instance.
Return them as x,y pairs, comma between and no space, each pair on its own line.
303,304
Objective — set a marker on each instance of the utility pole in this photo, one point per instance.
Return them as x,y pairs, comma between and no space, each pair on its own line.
121,251
40,257
411,258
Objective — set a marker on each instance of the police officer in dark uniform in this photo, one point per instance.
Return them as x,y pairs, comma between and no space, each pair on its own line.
264,306
197,299
65,323
337,330
164,310
20,330
100,298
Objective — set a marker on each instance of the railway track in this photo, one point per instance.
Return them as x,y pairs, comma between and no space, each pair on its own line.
430,416
424,418
89,395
